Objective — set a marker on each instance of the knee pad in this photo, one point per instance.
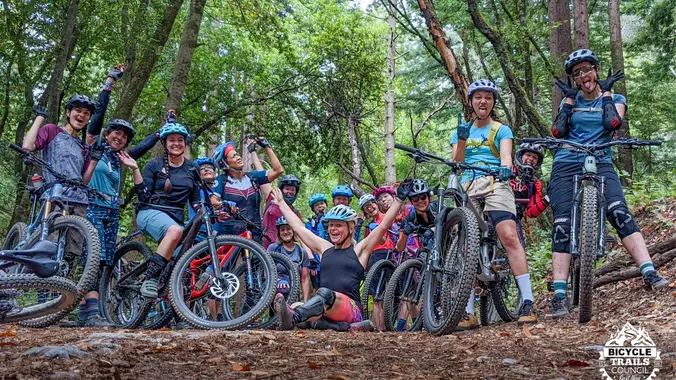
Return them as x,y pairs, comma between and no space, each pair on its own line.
620,218
327,295
561,235
314,307
499,216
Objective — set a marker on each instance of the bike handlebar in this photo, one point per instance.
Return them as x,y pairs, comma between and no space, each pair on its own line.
549,143
456,165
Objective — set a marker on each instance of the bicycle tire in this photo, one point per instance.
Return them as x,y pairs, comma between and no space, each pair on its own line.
588,243
373,274
65,287
394,287
90,274
575,280
269,277
294,291
109,297
461,261
15,235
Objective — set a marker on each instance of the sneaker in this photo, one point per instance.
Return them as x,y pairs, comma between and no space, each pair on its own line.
469,322
149,288
560,307
527,313
654,280
72,324
97,321
284,312
363,326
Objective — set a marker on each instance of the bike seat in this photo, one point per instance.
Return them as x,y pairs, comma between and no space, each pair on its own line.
44,247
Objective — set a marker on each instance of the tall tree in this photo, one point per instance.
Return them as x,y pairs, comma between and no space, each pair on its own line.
559,44
581,22
625,160
390,168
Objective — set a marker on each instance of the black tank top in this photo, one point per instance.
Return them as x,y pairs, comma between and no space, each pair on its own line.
342,272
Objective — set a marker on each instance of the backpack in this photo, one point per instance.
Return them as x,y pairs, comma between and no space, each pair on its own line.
491,138
279,248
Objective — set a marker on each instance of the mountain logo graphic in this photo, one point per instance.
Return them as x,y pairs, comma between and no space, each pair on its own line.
630,354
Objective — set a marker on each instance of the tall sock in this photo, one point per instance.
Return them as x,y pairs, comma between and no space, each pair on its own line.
83,313
401,323
156,264
646,267
525,287
469,309
92,308
560,287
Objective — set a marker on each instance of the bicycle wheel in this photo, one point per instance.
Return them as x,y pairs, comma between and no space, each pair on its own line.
398,296
447,291
589,229
575,279
80,266
16,234
504,292
375,282
245,297
22,296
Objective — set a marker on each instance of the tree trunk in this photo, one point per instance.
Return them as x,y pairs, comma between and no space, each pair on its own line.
581,21
442,44
352,123
465,54
5,104
505,62
525,50
390,168
141,73
184,57
52,94
624,158
559,45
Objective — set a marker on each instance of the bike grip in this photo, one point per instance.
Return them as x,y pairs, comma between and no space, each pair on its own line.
405,148
654,142
19,149
531,140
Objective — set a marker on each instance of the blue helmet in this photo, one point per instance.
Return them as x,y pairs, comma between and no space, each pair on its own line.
173,128
317,197
342,213
342,190
281,222
204,161
221,152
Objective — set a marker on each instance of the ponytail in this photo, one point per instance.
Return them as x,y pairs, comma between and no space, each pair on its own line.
167,182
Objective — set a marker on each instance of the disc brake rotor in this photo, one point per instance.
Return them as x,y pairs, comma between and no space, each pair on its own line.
224,287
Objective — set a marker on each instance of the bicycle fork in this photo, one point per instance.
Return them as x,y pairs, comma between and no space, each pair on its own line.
600,251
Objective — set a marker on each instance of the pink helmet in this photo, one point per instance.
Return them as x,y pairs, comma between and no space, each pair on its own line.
384,189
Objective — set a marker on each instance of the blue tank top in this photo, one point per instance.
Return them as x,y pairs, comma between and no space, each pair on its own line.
342,272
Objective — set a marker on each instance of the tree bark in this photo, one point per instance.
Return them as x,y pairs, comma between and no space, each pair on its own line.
559,45
184,57
465,54
51,96
141,73
442,44
390,168
581,22
505,62
624,158
5,104
658,261
352,123
525,50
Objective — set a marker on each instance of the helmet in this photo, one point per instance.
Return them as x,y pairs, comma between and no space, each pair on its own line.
123,125
281,222
365,199
289,180
317,197
79,100
384,189
171,129
221,152
482,85
529,147
341,190
341,212
204,161
580,55
419,186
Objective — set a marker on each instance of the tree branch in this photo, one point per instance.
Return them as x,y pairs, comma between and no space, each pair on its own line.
349,172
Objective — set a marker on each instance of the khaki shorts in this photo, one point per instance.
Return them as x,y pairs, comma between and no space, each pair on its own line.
498,196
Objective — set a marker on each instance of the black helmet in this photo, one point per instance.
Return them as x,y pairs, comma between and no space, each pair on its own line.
528,147
125,126
419,186
290,180
580,55
79,100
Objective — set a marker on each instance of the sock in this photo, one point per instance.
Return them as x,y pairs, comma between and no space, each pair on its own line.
560,287
525,287
401,323
92,308
156,264
83,313
470,303
646,267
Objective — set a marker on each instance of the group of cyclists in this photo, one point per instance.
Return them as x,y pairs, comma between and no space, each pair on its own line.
336,246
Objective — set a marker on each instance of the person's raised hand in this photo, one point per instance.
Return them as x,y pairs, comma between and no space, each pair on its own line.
464,127
607,84
127,160
568,89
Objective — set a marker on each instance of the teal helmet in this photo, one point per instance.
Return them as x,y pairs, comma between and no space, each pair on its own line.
171,129
317,197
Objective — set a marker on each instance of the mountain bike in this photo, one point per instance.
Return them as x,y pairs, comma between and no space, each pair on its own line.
377,277
588,216
465,254
49,233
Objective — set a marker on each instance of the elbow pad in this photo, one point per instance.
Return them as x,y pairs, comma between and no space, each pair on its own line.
611,118
142,193
560,129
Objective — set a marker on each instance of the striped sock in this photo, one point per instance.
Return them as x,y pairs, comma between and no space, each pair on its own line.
560,288
92,308
646,267
84,311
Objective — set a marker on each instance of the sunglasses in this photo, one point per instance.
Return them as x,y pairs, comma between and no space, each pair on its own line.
207,168
582,72
418,197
